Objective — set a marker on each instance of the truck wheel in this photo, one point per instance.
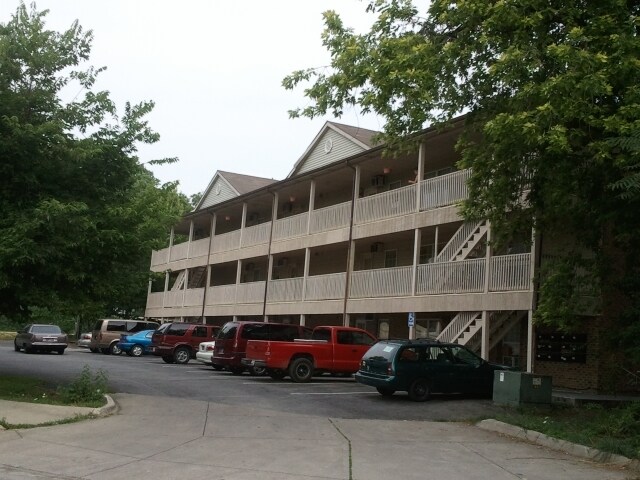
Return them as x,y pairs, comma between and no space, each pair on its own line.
419,390
181,355
277,374
236,370
301,370
217,367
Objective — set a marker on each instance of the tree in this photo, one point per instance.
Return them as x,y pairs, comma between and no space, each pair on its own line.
551,96
80,214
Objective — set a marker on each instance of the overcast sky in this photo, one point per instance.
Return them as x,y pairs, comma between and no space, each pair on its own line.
214,69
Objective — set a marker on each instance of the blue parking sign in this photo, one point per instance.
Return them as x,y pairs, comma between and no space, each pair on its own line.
411,320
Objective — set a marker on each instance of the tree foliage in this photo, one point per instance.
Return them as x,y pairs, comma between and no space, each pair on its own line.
80,214
551,94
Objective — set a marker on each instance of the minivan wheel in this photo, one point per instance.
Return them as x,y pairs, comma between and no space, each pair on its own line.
419,390
106,351
257,371
136,351
167,359
181,356
114,349
385,392
301,370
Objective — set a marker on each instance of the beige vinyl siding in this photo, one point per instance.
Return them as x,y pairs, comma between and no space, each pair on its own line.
219,192
341,148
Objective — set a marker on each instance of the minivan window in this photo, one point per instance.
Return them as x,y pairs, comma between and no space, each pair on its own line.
228,331
256,331
382,351
98,325
116,326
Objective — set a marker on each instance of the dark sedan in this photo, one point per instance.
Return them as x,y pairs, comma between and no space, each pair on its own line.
41,338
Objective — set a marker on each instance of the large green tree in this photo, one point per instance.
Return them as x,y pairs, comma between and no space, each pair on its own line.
79,213
551,93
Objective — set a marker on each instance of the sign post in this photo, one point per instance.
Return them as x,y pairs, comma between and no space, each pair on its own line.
411,323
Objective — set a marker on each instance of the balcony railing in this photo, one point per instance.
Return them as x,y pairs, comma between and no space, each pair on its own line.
256,235
193,297
221,295
179,252
173,298
444,190
383,282
510,272
325,287
285,290
466,276
399,201
159,257
330,218
252,292
155,299
291,227
226,242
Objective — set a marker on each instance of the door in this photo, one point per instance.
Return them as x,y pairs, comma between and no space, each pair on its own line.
349,349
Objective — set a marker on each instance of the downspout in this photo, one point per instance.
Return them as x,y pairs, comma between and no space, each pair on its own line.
274,211
206,284
347,283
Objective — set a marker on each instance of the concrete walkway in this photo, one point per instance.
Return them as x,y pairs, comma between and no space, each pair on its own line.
169,438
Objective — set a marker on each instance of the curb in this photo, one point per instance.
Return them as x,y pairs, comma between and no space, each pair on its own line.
106,410
574,449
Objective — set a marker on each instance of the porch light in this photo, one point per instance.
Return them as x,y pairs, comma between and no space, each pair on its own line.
227,218
386,170
292,199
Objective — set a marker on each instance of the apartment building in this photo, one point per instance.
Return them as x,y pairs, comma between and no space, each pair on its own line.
356,237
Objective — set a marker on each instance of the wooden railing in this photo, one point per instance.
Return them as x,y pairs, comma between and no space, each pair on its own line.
383,282
325,287
193,297
173,298
226,242
256,235
179,252
291,227
444,190
199,248
285,290
252,292
330,218
155,299
466,276
221,295
399,201
510,272
159,257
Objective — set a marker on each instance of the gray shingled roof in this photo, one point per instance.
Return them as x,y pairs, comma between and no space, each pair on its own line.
245,183
361,134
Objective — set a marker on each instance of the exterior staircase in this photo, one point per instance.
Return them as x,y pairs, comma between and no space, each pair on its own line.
463,242
499,325
196,277
179,283
462,328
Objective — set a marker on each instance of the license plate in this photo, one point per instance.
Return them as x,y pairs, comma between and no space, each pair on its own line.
50,339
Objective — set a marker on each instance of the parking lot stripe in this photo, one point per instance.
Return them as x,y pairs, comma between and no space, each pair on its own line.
368,392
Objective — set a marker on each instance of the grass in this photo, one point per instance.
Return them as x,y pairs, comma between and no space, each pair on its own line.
7,335
86,391
615,430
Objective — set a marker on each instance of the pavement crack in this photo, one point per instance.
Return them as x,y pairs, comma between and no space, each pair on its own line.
348,443
206,419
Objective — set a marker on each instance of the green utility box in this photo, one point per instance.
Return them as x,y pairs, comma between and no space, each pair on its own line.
517,388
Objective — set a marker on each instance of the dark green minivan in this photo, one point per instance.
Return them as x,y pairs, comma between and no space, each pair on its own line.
422,367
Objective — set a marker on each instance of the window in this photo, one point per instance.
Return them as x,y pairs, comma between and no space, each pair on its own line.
322,335
117,326
200,332
177,329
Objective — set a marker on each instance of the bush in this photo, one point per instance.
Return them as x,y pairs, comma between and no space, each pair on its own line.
86,389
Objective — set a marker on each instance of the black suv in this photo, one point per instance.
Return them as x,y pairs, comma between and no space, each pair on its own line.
178,342
422,367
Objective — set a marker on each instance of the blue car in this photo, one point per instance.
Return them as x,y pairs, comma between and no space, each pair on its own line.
137,344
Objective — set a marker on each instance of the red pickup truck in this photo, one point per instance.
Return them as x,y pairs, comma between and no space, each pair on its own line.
331,349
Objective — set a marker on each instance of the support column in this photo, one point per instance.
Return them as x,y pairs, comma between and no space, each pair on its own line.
303,319
435,246
305,275
485,341
417,240
422,153
312,201
488,254
166,288
269,273
171,238
184,290
190,239
238,278
530,341
347,320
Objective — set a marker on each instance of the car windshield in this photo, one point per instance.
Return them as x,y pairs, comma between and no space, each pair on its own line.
382,351
54,329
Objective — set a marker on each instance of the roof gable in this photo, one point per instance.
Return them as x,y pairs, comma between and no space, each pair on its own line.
227,185
333,143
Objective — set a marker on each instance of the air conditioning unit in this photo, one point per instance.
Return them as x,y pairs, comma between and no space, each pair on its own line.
377,181
377,247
